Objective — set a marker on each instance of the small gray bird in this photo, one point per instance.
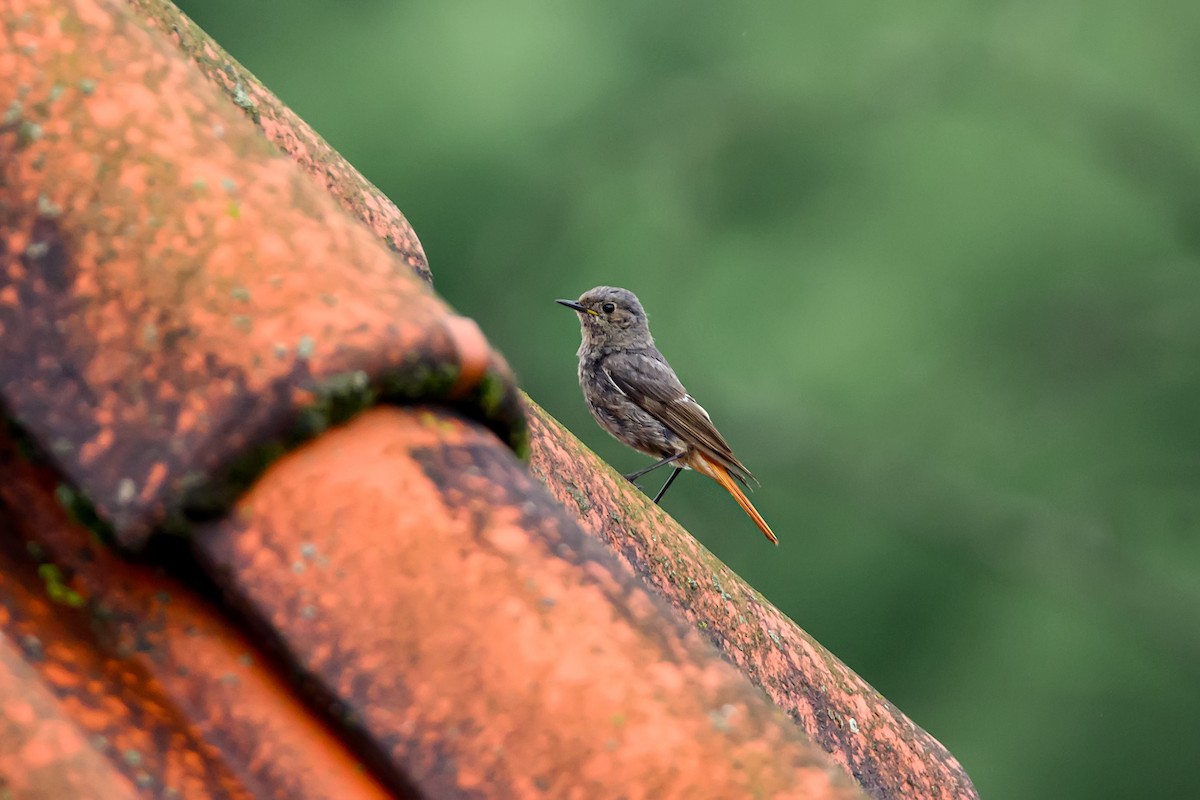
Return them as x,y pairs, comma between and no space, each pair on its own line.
634,394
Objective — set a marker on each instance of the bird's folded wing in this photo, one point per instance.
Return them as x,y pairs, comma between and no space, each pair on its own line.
646,379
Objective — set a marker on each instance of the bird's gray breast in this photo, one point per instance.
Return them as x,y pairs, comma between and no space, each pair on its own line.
621,415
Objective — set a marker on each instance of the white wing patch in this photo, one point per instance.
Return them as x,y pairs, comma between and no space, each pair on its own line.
687,398
608,375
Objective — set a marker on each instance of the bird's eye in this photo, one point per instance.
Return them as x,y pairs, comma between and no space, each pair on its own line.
608,308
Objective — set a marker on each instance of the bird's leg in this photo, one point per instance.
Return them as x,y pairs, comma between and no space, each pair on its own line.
633,476
667,485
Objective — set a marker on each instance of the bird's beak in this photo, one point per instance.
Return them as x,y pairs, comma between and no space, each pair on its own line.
576,306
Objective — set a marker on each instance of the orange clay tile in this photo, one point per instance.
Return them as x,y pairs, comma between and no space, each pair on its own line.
119,681
177,301
473,636
888,753
172,343
288,132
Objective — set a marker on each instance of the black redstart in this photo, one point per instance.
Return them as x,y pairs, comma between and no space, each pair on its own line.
634,394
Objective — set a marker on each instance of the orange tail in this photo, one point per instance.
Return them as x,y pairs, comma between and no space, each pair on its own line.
722,476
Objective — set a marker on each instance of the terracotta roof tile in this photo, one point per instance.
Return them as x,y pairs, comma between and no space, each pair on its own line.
390,605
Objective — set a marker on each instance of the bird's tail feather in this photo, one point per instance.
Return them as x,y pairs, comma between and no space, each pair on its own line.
721,475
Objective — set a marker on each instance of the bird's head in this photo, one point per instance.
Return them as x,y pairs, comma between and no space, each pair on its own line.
611,317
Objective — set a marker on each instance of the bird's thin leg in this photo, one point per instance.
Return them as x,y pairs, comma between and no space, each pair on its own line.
667,485
633,476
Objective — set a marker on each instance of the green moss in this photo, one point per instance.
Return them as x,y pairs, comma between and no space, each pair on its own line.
518,439
205,498
499,408
47,208
82,512
305,347
13,114
492,393
57,589
419,381
245,102
581,499
490,399
28,132
422,381
335,401
340,397
432,420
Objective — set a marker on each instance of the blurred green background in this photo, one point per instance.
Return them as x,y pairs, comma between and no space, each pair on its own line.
934,269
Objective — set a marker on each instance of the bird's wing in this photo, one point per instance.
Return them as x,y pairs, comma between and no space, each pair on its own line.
647,379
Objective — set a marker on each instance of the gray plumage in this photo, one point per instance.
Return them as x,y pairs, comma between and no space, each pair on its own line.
632,391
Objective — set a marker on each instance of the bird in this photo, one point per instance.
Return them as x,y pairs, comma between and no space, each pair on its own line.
635,395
